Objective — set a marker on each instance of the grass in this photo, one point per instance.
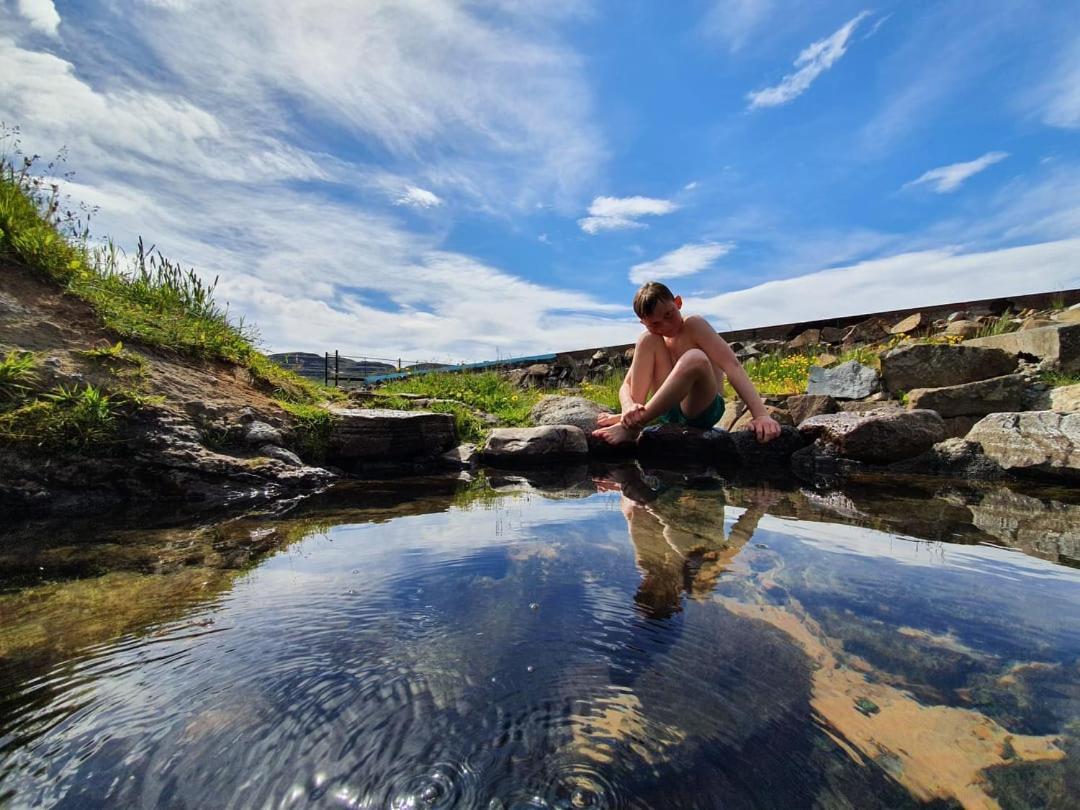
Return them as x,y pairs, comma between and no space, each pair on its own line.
66,418
18,376
470,392
999,326
312,429
1056,379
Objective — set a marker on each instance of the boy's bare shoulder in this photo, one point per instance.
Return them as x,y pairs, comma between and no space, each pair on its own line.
699,325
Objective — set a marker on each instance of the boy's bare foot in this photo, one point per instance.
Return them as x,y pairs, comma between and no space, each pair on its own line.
607,419
615,434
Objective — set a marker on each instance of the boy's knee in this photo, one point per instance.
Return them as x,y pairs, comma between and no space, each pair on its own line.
695,358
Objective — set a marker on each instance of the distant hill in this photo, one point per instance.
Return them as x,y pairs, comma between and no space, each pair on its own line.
311,365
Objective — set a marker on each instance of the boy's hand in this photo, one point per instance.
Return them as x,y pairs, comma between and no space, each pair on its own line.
765,428
634,418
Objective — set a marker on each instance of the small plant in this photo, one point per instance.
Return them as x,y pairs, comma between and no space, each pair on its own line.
312,429
66,418
1056,379
998,326
17,376
605,392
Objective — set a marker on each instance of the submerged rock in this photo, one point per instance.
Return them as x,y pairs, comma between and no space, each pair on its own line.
377,434
1039,443
878,436
536,444
850,380
936,365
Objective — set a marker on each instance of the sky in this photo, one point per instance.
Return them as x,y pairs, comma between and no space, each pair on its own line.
459,180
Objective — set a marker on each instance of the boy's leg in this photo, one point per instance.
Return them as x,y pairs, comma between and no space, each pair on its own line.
648,370
691,384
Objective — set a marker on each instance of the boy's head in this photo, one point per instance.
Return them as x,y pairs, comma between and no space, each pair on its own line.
657,308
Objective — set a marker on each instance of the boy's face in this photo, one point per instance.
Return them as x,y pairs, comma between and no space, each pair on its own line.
666,319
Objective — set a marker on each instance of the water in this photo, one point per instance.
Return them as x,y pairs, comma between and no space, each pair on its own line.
426,646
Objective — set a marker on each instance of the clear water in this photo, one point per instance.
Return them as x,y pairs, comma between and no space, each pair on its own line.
684,647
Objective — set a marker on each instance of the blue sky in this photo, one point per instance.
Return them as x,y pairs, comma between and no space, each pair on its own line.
452,180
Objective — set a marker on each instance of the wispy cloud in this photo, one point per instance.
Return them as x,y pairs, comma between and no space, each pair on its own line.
946,179
815,59
1062,94
415,197
618,213
683,261
41,14
735,20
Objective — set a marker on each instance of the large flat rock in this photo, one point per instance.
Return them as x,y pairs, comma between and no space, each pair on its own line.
850,380
1044,444
938,365
878,436
378,434
1059,344
535,445
570,410
998,394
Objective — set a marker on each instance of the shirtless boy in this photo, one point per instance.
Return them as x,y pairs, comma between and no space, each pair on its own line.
682,362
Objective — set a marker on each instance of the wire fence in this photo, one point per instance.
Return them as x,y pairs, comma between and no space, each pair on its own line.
338,369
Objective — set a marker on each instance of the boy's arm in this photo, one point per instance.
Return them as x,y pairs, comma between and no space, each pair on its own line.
718,351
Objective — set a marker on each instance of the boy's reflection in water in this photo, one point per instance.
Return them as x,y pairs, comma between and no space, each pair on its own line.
678,537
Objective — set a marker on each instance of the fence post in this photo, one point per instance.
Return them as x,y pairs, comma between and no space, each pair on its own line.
326,368
399,364
337,366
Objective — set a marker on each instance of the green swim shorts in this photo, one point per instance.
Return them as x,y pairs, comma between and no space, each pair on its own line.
704,420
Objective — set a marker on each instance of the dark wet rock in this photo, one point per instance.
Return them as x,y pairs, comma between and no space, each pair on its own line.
956,427
878,436
1037,443
556,410
376,434
803,406
952,457
281,454
997,394
932,365
850,380
1059,345
534,445
462,457
777,452
680,443
258,433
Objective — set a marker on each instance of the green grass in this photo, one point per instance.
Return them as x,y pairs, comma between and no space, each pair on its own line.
1056,379
66,418
485,391
999,326
18,376
312,429
605,392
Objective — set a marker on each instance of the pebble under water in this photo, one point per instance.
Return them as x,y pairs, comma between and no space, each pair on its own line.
680,648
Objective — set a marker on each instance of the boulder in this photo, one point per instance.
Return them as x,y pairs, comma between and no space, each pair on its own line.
868,331
556,410
908,324
534,445
461,457
963,329
1059,345
831,334
953,457
1071,315
258,433
733,412
745,417
936,365
1045,528
803,406
1064,399
865,405
281,454
681,444
1036,443
957,427
850,380
378,434
809,337
979,398
878,436
777,452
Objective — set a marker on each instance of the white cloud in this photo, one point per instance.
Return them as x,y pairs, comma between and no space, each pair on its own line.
734,20
905,280
815,59
415,197
683,261
618,213
1062,94
41,14
945,179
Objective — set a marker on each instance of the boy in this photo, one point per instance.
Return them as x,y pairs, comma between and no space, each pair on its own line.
682,362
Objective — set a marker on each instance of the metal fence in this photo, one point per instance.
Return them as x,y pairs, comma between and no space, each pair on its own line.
400,369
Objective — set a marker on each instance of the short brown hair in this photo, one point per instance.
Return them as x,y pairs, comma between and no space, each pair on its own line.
650,294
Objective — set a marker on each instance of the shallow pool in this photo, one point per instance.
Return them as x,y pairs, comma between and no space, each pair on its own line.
624,642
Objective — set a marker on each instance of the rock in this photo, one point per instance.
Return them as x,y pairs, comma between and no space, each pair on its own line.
557,410
1065,399
281,454
998,394
1036,443
1036,323
963,329
1059,344
831,334
682,444
866,405
803,406
809,337
534,445
377,434
826,360
733,412
850,380
1070,315
935,365
1047,529
908,324
743,422
957,427
777,452
878,436
461,457
868,331
952,457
